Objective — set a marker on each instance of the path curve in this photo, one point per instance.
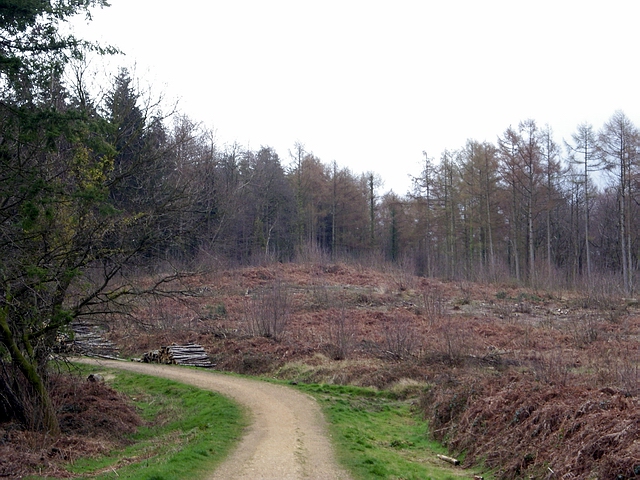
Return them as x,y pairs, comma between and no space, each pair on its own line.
287,438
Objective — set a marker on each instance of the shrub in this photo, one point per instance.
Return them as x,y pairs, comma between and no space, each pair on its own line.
341,334
400,338
267,313
433,304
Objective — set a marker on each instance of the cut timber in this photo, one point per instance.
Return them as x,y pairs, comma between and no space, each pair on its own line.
451,460
87,339
191,354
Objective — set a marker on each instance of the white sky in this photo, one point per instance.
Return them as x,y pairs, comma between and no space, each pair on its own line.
371,84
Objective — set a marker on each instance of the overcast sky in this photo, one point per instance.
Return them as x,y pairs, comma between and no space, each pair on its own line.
373,84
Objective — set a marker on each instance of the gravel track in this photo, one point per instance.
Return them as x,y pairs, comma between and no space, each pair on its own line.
287,437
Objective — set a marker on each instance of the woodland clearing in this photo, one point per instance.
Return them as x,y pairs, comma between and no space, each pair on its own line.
527,382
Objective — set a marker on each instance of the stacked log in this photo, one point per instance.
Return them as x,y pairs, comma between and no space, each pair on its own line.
191,354
151,357
87,339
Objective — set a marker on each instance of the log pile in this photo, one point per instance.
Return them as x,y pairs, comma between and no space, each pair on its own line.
87,339
191,354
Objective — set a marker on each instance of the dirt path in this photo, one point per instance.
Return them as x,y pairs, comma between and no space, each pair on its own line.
287,438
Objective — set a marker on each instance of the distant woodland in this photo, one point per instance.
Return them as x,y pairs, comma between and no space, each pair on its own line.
96,187
526,208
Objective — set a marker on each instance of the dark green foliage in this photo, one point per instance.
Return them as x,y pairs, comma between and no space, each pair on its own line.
66,230
32,48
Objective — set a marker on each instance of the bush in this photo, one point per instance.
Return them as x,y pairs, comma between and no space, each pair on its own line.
267,313
341,334
400,338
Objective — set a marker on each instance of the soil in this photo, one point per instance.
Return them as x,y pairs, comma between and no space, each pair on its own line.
287,438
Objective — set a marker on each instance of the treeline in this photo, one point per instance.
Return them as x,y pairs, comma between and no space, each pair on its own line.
525,208
531,209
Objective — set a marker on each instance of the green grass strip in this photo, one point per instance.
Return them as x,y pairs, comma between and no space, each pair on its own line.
188,432
378,436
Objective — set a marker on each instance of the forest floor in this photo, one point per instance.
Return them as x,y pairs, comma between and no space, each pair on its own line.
531,383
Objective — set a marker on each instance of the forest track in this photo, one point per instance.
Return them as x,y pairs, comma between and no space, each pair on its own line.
287,437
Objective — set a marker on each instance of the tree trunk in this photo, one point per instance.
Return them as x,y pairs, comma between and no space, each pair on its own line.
334,200
516,252
586,216
549,263
623,224
489,228
628,230
532,267
44,415
372,217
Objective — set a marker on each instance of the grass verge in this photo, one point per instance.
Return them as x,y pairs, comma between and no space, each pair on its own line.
187,431
378,436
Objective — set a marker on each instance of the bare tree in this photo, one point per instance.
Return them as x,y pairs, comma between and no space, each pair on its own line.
478,172
509,147
619,141
423,193
372,181
584,152
447,194
552,170
530,154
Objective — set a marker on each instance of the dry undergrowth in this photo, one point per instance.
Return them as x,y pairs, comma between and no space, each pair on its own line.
94,419
524,428
532,383
540,384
